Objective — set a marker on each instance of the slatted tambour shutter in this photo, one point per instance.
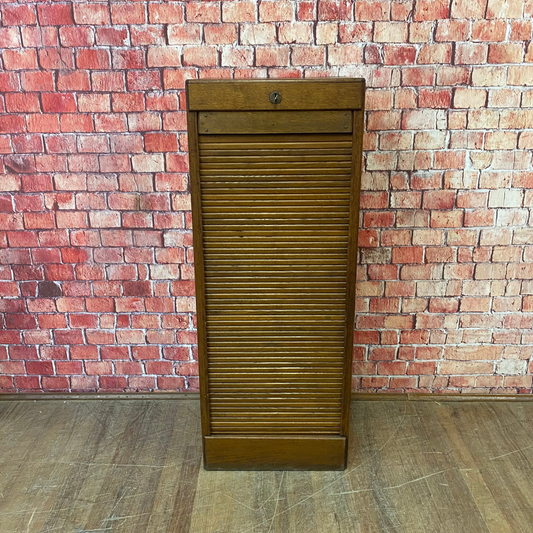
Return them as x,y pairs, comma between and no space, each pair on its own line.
275,169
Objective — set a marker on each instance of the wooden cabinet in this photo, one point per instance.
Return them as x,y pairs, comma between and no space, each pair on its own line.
275,176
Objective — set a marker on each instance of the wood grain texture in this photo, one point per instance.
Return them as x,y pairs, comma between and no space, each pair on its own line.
275,203
253,95
199,267
353,233
225,122
123,466
255,453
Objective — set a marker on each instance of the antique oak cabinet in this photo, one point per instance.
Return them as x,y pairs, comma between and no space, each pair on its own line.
275,176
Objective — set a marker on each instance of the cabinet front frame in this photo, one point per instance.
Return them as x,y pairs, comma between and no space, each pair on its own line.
252,95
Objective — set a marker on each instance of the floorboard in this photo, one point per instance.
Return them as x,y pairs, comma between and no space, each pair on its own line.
85,466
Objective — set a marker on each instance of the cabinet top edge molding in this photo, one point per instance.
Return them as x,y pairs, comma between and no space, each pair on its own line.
292,94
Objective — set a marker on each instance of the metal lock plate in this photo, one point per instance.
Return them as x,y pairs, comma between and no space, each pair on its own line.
275,97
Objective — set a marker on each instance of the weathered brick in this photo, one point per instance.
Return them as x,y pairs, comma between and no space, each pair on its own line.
20,59
258,34
507,9
470,54
390,32
202,12
18,15
469,98
128,13
92,14
54,15
432,9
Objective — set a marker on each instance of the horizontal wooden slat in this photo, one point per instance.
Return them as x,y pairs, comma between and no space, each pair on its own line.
302,140
260,122
275,235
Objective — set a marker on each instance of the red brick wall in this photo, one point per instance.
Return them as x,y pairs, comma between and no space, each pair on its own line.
96,273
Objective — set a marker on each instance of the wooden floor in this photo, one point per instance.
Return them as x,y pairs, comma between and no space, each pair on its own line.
135,466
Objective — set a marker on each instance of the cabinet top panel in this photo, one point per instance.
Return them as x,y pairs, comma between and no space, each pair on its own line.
282,95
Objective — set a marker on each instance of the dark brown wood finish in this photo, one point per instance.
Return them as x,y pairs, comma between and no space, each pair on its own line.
192,128
275,213
256,453
355,193
228,122
253,95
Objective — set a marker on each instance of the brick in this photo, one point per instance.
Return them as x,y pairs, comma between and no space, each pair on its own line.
128,13
18,15
300,32
270,56
238,12
10,82
258,34
419,119
27,143
489,30
54,15
205,56
51,59
184,34
9,38
144,121
220,34
72,81
521,29
91,14
435,53
50,163
58,103
372,10
307,55
20,103
275,11
20,59
390,32
163,57
148,163
470,54
507,9
33,37
399,55
488,76
93,59
469,98
452,30
431,10
401,10
202,12
384,120
506,53
344,54
115,36
468,9
417,76
335,10
162,103
356,32
520,75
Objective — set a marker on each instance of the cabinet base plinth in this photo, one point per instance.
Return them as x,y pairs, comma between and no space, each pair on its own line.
274,453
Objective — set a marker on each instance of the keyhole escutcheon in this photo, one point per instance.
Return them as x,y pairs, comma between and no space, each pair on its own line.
275,97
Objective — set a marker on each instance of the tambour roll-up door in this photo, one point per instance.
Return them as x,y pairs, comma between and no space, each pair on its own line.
275,176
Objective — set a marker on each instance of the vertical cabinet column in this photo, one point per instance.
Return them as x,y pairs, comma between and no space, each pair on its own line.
275,178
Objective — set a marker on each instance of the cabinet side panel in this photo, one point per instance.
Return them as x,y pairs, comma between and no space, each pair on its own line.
355,194
192,121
